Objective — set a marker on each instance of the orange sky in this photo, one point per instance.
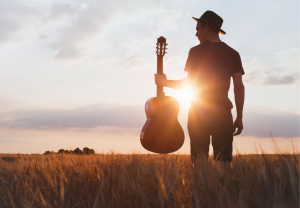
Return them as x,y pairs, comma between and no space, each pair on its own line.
119,140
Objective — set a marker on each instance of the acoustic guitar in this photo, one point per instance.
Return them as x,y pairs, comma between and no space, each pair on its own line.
162,132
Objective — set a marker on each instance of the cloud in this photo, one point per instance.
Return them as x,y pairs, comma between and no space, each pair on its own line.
88,117
60,10
132,51
167,23
250,77
261,123
289,58
283,70
175,60
262,75
257,123
268,77
68,25
18,17
15,16
69,52
136,62
254,64
274,80
71,41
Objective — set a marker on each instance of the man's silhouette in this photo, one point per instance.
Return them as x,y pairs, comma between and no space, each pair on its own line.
210,66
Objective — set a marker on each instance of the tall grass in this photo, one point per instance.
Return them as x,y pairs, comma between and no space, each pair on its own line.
113,180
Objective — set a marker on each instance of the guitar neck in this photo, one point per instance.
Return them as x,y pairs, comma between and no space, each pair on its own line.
160,89
160,51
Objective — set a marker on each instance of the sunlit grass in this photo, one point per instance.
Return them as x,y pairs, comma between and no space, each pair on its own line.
136,180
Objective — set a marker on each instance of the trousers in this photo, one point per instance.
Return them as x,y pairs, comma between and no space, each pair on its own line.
219,127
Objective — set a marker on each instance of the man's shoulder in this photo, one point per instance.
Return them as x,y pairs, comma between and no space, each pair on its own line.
198,49
207,45
231,49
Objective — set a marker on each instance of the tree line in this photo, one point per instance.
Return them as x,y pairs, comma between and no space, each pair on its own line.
77,151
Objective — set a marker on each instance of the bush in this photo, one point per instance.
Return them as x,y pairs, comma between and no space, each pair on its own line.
88,151
48,153
78,151
61,151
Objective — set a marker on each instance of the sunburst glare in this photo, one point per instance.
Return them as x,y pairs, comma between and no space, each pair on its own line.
186,96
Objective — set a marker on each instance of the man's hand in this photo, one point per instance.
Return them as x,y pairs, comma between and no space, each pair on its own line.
238,124
239,96
160,79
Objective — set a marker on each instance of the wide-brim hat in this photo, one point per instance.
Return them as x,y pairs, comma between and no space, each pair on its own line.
213,20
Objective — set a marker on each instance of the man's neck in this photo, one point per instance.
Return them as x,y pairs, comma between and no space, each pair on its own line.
213,38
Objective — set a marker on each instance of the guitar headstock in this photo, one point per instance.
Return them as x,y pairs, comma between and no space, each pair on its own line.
161,46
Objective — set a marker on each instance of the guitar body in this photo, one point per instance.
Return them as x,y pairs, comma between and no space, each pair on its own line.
162,132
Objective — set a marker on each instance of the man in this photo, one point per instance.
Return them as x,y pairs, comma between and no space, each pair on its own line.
210,66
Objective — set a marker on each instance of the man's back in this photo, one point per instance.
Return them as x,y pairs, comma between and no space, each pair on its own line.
215,63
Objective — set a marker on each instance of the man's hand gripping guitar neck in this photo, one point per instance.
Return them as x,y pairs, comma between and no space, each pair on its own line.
161,80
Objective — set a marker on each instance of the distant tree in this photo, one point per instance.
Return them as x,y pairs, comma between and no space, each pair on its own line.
86,151
78,151
66,151
71,152
61,151
47,153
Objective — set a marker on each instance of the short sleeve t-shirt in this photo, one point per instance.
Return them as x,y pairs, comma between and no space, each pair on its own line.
215,63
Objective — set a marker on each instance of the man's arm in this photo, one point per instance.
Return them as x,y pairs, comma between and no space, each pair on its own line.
239,96
161,80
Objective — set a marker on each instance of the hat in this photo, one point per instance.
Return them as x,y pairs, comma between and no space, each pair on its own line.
212,19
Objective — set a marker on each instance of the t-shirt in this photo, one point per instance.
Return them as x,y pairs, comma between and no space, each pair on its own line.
215,63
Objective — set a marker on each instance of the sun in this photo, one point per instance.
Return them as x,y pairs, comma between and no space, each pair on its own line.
187,94
185,97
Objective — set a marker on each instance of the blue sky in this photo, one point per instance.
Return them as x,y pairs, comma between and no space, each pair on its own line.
77,73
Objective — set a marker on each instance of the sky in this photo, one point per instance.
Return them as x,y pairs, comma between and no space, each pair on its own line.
78,73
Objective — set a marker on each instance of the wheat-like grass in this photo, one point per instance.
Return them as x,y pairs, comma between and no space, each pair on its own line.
136,180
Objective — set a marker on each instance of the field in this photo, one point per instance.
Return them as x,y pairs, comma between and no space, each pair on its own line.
136,180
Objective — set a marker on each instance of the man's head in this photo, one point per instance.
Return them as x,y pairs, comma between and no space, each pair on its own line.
208,25
204,31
